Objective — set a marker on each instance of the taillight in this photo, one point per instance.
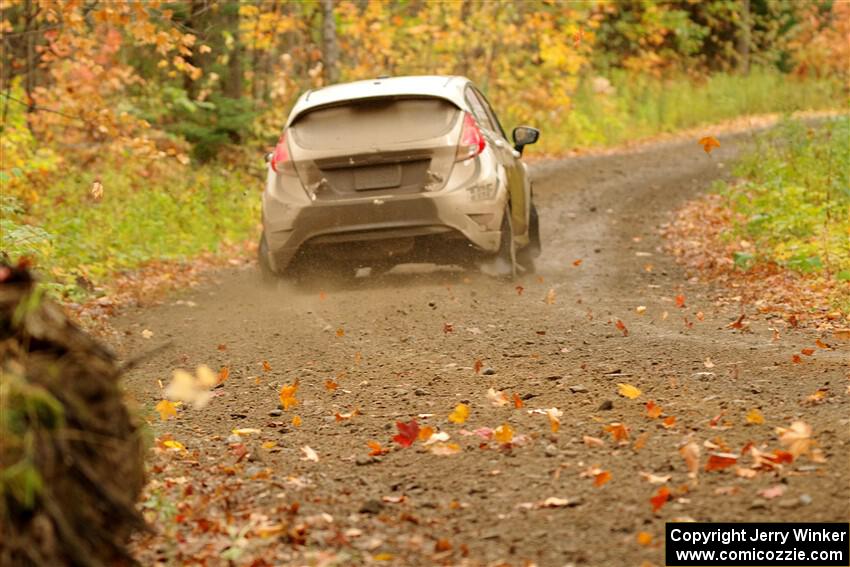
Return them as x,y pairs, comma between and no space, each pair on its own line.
471,139
280,162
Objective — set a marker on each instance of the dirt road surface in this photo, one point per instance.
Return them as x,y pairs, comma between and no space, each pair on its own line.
404,345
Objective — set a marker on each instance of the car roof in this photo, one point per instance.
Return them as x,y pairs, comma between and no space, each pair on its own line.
450,88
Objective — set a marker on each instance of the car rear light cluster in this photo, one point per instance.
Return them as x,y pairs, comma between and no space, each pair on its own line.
281,162
471,139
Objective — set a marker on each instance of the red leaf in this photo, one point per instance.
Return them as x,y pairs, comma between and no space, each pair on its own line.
808,351
407,433
622,327
477,366
661,497
720,461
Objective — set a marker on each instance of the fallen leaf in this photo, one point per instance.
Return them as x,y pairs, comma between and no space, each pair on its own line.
841,334
622,328
407,433
322,295
618,431
266,366
477,366
700,316
680,301
708,143
669,422
660,498
690,452
738,323
444,449
190,389
340,332
653,411
796,359
550,296
309,454
394,499
601,478
628,391
640,309
519,289
821,344
498,399
504,434
460,414
555,502
640,442
655,478
330,385
425,433
554,415
720,461
820,395
708,363
797,438
577,263
593,441
773,492
343,416
448,328
517,401
296,421
755,417
442,545
287,395
644,538
269,444
166,410
375,449
808,351
245,431
172,444
223,374
147,334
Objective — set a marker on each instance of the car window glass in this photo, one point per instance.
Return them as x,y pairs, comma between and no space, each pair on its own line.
478,110
492,115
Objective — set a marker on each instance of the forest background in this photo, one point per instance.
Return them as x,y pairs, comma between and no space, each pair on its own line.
133,133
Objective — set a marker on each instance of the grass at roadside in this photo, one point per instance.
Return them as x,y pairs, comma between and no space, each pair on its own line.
633,107
780,235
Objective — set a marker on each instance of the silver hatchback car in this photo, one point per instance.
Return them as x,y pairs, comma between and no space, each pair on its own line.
396,170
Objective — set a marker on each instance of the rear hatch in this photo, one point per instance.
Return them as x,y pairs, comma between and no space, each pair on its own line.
375,147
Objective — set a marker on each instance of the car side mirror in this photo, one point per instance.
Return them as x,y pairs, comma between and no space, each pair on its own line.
523,136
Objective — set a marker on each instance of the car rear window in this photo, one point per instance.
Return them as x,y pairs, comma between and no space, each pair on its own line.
374,123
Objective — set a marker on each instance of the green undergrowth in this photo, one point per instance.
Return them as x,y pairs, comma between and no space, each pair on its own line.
77,242
793,206
630,107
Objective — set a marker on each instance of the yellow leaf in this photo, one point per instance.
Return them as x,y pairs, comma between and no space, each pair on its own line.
166,409
628,391
460,414
171,444
269,444
755,417
504,434
296,421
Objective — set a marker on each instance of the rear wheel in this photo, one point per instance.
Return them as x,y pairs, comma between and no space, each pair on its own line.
526,256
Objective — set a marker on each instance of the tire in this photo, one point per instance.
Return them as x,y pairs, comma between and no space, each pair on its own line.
526,256
507,246
267,275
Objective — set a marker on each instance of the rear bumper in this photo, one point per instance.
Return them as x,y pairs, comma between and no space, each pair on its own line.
291,226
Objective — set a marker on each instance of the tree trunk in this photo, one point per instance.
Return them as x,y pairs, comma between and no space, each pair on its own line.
330,48
743,46
233,84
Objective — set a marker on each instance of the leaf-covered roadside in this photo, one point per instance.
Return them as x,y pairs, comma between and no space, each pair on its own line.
780,235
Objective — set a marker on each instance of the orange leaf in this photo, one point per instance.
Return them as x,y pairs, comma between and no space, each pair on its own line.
680,301
808,351
644,538
669,422
266,366
340,332
477,366
519,289
287,395
517,401
652,411
821,344
442,545
783,456
661,497
601,478
222,346
755,417
708,143
640,442
577,263
330,385
296,421
425,433
796,359
720,461
448,328
618,431
407,433
223,374
622,327
554,415
322,296
376,449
